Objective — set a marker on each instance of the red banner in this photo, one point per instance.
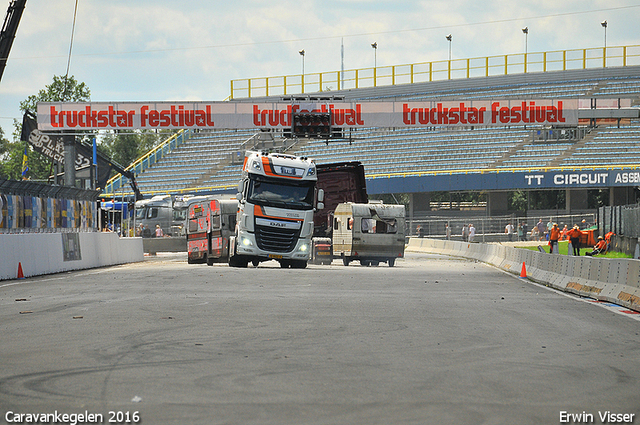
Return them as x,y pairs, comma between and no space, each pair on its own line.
246,115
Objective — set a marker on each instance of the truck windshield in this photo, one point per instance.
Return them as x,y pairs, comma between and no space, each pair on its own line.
282,194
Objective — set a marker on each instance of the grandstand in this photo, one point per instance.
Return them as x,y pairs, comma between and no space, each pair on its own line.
208,160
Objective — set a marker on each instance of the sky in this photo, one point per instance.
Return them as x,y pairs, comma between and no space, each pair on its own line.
167,50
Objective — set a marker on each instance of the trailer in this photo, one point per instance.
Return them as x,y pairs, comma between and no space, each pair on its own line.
210,224
371,233
341,182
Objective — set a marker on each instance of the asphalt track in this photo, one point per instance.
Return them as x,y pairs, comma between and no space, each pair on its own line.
434,340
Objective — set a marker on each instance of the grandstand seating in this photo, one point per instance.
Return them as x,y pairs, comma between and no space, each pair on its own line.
205,159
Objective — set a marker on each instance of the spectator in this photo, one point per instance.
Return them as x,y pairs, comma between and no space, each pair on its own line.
472,232
554,236
520,232
159,232
574,237
465,233
541,229
525,230
509,231
447,232
600,248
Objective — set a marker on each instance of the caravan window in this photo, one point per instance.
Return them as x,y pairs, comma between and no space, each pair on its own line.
388,226
368,225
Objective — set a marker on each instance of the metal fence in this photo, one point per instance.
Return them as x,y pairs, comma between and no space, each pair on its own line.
492,229
622,220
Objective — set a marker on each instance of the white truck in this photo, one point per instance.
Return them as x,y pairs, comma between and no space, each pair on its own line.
277,198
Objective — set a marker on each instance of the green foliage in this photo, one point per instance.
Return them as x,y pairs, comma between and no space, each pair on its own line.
11,152
60,90
125,148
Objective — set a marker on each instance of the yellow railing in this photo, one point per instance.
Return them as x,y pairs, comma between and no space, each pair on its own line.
519,63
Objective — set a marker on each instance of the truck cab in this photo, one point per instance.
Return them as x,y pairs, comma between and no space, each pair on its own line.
277,198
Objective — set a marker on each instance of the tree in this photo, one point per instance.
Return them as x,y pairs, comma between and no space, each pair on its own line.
125,148
61,89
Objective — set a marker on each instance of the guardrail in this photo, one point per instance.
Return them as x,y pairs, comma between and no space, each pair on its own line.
518,63
604,279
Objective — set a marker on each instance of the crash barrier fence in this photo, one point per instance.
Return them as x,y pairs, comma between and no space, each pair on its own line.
605,279
492,229
33,207
33,254
623,220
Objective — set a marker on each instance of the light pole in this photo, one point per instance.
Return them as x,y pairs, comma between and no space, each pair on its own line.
449,38
302,54
302,78
525,30
604,50
375,61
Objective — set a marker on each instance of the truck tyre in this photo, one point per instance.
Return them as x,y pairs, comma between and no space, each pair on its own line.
392,262
255,263
298,264
375,263
238,261
210,260
345,261
365,263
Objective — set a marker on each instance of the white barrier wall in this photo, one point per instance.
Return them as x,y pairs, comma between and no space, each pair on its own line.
44,253
612,280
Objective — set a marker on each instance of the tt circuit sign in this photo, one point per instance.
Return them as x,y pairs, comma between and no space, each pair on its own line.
245,115
573,179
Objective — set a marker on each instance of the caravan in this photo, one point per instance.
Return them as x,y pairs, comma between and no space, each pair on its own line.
370,233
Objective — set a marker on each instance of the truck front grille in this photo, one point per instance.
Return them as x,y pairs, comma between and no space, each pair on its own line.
276,240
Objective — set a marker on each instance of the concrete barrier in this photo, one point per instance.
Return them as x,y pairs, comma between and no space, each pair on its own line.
45,253
612,280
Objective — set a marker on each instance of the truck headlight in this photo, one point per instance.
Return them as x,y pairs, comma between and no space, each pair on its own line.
246,242
304,247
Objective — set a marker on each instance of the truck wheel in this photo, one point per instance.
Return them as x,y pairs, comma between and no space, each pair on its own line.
284,264
237,261
392,262
255,263
298,264
345,261
210,260
365,263
375,263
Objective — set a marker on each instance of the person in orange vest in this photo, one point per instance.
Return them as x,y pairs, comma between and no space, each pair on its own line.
600,247
554,235
574,236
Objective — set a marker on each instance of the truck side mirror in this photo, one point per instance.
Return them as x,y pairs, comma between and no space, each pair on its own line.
239,196
320,206
320,196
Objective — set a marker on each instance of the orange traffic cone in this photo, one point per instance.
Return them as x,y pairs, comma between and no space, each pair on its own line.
20,273
523,272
